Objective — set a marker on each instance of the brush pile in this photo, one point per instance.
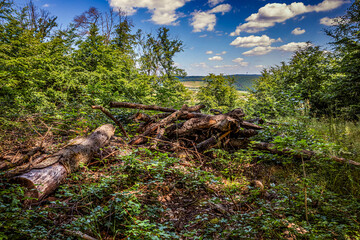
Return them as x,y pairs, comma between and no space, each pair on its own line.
189,129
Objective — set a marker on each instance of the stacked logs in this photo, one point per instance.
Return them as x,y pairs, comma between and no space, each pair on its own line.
189,128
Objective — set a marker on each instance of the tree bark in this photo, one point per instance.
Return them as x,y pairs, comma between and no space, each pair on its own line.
46,176
140,106
154,107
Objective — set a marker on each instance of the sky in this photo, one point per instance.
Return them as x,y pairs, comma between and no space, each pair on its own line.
222,36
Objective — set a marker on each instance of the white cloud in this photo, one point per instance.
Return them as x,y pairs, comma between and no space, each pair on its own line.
223,8
206,20
203,21
163,11
46,5
240,62
252,41
204,35
200,65
329,21
209,52
213,3
273,13
216,58
293,46
258,51
298,31
260,66
290,47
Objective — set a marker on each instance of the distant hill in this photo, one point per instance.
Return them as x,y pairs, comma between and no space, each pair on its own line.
242,81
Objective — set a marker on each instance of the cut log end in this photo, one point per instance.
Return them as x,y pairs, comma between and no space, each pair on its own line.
41,182
45,177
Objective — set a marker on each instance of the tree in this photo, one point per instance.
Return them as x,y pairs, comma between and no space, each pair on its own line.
346,35
158,57
123,39
219,92
303,83
157,61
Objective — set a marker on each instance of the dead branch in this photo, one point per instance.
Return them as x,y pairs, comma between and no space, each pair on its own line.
107,113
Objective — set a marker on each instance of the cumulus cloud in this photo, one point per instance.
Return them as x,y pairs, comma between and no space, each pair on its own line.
200,65
290,47
216,58
252,41
293,46
329,21
273,13
223,8
258,51
163,11
213,3
240,62
206,20
203,21
298,31
46,5
209,52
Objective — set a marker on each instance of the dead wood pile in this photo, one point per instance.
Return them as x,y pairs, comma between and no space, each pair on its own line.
188,128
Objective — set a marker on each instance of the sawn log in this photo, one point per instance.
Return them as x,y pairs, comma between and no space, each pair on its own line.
46,176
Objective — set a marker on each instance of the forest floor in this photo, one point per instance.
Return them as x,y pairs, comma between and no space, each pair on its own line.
135,193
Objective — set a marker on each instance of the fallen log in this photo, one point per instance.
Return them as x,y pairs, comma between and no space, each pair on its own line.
154,127
46,176
140,106
220,122
153,107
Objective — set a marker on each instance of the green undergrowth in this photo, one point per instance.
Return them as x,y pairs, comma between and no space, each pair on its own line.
242,194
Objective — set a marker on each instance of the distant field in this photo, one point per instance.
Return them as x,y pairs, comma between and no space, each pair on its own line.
242,82
193,84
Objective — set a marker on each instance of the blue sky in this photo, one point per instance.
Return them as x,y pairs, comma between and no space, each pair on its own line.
222,36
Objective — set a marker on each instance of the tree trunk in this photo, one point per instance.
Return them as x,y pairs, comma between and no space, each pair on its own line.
46,176
154,107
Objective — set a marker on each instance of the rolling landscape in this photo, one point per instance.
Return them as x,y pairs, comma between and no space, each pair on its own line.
243,82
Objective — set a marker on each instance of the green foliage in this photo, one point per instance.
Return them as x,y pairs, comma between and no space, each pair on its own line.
157,61
43,69
347,46
316,82
303,85
17,222
219,92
